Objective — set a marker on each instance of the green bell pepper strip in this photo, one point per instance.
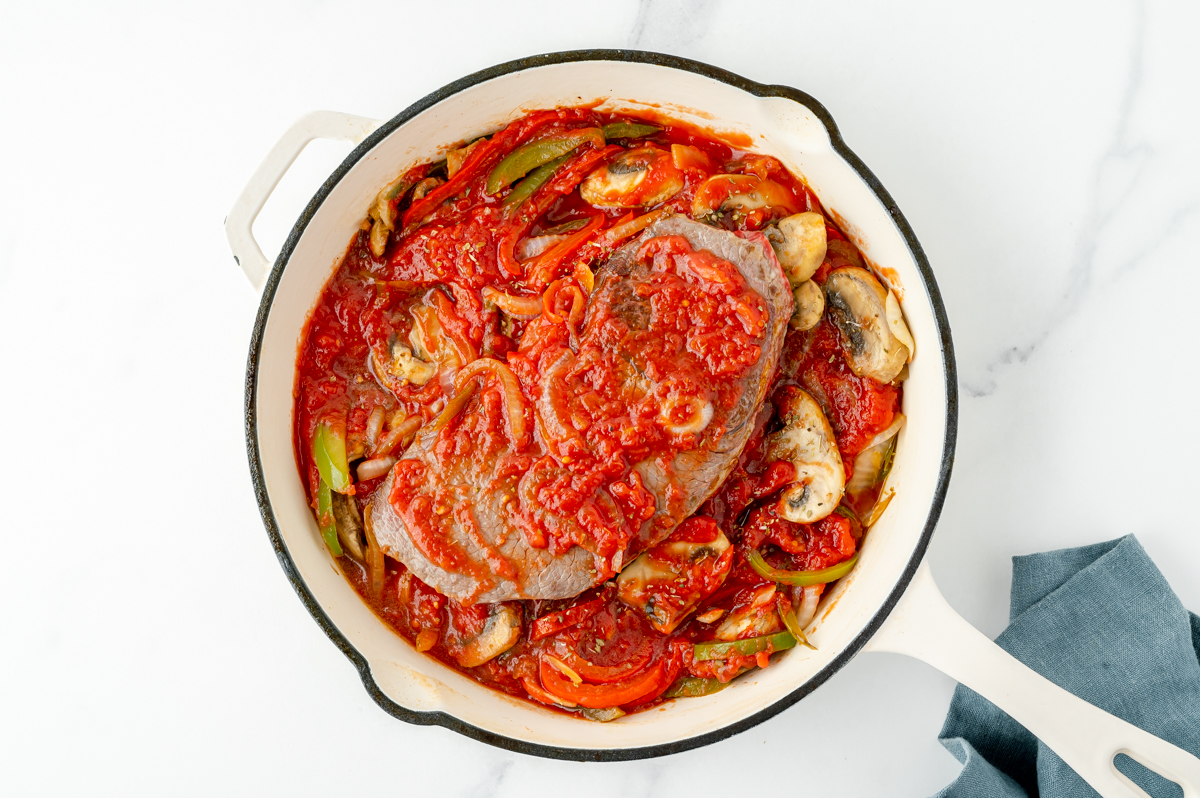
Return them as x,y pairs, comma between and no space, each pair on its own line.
533,181
329,453
627,130
743,648
846,512
325,519
889,457
799,578
566,227
525,159
793,625
602,715
694,687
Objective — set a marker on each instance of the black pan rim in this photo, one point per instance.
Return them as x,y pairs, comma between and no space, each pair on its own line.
619,754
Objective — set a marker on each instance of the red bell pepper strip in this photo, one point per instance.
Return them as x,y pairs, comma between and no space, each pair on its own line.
563,182
601,696
542,269
555,622
605,674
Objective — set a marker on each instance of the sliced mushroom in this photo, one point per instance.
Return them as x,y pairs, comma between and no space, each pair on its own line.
870,467
425,186
641,177
799,243
857,305
810,305
383,211
379,238
500,633
807,441
349,525
668,568
406,366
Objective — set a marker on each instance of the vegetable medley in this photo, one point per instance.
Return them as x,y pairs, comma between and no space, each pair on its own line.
595,408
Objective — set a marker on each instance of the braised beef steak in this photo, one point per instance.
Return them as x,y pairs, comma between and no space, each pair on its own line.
467,520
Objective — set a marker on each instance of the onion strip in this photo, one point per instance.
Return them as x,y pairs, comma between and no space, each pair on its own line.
550,302
514,400
445,311
376,565
374,426
564,669
519,307
545,266
388,442
375,467
623,230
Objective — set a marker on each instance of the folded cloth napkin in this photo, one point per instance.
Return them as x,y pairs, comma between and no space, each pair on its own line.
1102,622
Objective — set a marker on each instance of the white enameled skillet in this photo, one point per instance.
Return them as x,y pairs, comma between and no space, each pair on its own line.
888,603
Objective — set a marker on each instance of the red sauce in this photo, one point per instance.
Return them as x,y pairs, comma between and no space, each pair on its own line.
463,276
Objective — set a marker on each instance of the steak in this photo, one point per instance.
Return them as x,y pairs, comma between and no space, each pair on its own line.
471,499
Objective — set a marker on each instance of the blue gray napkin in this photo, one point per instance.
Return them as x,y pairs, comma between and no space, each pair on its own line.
1102,622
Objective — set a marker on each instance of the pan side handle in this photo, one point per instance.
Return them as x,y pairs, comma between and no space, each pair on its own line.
239,223
924,626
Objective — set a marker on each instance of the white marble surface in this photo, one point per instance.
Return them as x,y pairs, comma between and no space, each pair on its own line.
1044,153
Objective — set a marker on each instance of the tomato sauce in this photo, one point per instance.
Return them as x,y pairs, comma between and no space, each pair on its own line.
465,288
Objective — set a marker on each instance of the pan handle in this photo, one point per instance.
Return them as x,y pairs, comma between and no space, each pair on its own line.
923,625
239,224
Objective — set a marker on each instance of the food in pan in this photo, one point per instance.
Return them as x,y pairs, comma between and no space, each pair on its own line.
594,409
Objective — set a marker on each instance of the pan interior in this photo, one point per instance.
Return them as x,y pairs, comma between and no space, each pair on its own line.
409,683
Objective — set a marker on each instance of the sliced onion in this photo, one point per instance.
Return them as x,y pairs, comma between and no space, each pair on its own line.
895,320
806,600
585,277
374,426
514,400
868,466
556,426
375,467
889,433
553,299
376,565
532,247
877,510
621,231
395,435
519,307
563,668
